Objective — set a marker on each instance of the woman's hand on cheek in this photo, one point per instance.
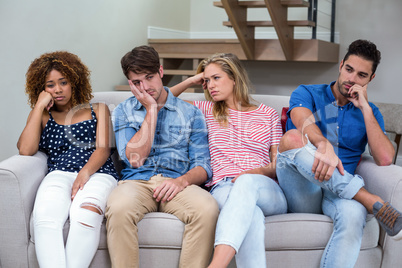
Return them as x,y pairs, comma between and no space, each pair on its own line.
45,100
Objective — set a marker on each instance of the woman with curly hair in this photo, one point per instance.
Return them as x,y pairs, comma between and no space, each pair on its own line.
75,136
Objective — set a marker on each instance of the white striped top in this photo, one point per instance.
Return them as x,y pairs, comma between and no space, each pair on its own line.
244,144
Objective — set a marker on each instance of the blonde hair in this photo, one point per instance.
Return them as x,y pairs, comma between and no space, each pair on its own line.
232,66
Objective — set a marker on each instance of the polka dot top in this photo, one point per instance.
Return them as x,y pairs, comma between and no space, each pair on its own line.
69,146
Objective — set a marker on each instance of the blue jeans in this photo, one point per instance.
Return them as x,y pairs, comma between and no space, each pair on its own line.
244,206
305,194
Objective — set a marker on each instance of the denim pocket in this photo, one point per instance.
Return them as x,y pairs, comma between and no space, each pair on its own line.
178,135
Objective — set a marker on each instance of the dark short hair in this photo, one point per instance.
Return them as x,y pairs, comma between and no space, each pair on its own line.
365,49
142,59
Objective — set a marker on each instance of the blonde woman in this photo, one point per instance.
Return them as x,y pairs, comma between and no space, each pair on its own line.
243,139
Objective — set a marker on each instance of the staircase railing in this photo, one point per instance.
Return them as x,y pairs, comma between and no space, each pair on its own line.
312,16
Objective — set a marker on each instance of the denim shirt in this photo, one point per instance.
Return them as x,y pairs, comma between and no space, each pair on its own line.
180,142
343,126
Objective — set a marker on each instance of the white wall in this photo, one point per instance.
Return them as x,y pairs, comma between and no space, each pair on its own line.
377,21
101,31
98,31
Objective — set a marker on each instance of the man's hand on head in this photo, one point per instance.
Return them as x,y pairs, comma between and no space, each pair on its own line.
358,95
142,95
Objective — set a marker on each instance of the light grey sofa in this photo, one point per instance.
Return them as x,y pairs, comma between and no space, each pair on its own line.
292,240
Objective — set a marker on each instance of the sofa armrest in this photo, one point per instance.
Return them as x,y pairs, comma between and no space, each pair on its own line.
20,177
385,181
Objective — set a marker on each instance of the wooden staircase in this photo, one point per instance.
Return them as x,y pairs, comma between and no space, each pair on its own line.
182,56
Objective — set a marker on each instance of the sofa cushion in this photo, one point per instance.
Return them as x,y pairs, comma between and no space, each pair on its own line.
159,229
298,231
282,232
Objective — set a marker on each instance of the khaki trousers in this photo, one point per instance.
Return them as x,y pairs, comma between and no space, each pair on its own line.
132,199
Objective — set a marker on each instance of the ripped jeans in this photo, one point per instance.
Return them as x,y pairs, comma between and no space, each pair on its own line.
53,205
305,194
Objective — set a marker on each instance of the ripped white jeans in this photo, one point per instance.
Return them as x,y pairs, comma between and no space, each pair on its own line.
53,205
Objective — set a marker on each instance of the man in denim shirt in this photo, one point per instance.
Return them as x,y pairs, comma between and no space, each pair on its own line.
328,129
163,143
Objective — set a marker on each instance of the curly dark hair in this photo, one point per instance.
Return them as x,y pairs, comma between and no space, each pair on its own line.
69,65
365,49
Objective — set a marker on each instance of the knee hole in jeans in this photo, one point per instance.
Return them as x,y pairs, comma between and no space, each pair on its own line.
292,139
91,207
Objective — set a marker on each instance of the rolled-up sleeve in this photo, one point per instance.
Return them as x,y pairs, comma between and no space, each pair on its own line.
198,147
301,97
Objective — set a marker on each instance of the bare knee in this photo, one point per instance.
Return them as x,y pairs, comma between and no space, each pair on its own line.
91,208
292,139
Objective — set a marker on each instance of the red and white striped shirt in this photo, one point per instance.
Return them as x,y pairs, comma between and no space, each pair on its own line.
244,144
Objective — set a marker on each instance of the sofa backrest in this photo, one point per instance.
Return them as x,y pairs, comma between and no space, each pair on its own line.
393,123
113,98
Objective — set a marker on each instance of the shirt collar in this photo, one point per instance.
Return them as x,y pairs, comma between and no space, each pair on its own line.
171,101
330,95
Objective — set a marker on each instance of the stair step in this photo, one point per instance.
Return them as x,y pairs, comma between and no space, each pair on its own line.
179,72
305,50
295,3
122,88
261,4
195,41
297,23
190,48
251,4
183,55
